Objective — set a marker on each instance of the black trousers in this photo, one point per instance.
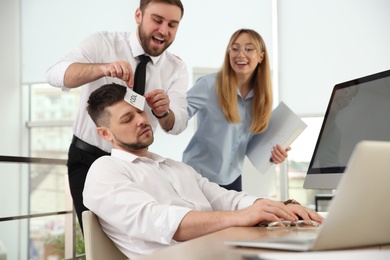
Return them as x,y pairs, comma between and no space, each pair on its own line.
79,161
235,185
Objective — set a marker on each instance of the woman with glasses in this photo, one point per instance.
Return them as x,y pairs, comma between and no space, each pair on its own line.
232,106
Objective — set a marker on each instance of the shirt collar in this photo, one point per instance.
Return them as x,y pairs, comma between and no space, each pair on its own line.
250,94
126,156
137,49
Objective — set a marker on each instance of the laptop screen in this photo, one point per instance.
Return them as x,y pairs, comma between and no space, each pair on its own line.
358,110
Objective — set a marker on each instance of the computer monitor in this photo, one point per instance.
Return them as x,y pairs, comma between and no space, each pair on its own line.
357,110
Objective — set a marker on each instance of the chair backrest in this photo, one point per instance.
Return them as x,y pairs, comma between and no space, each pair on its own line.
98,246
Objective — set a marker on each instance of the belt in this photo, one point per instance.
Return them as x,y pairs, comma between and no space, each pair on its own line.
87,147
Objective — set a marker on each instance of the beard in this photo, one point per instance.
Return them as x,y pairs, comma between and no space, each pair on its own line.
134,147
145,42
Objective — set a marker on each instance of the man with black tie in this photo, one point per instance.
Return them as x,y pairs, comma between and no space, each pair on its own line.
107,57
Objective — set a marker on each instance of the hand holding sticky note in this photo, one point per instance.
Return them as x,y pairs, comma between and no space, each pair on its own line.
135,99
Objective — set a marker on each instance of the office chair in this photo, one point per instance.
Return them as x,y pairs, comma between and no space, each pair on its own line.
98,246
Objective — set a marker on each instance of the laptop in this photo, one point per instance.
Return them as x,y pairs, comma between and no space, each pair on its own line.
358,215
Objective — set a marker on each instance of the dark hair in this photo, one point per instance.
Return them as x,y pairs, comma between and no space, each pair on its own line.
105,96
144,3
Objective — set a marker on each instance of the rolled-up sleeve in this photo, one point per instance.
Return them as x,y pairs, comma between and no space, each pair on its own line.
168,221
55,74
85,52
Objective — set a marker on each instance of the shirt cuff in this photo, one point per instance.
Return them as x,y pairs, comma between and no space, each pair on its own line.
55,75
169,222
181,121
246,201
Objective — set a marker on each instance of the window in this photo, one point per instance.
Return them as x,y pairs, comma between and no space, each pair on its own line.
49,124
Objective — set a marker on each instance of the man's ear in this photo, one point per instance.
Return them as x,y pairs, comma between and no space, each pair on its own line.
105,133
138,16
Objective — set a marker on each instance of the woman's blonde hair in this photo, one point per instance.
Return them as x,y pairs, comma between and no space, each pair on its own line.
226,86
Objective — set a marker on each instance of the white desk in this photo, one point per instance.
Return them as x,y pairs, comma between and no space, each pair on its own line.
212,246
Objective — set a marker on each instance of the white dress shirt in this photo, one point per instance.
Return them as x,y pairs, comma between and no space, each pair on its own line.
140,201
165,72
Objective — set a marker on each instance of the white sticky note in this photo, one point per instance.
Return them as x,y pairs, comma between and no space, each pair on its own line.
135,99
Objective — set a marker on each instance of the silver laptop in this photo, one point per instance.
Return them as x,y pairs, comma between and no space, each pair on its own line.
359,214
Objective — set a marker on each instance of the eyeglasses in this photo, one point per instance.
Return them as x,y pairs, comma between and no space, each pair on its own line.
300,224
248,51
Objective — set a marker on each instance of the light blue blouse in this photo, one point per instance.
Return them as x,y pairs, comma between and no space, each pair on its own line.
217,149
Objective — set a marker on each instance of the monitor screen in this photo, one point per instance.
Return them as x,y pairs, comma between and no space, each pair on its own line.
357,110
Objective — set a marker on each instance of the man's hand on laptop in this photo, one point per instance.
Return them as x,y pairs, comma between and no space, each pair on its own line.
266,210
305,213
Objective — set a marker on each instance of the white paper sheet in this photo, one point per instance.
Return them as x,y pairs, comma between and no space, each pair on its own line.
284,127
326,255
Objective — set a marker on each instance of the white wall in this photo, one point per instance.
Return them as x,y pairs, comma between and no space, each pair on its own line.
52,28
10,73
323,43
12,180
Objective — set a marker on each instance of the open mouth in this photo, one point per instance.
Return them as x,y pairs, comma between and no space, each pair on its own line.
158,40
241,62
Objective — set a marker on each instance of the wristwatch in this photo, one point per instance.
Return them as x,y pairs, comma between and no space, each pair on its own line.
291,201
159,117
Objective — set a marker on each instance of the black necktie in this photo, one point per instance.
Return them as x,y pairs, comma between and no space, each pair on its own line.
140,74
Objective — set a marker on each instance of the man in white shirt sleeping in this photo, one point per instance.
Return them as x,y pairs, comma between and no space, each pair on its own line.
145,202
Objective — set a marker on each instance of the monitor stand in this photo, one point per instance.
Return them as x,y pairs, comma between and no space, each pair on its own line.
322,197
